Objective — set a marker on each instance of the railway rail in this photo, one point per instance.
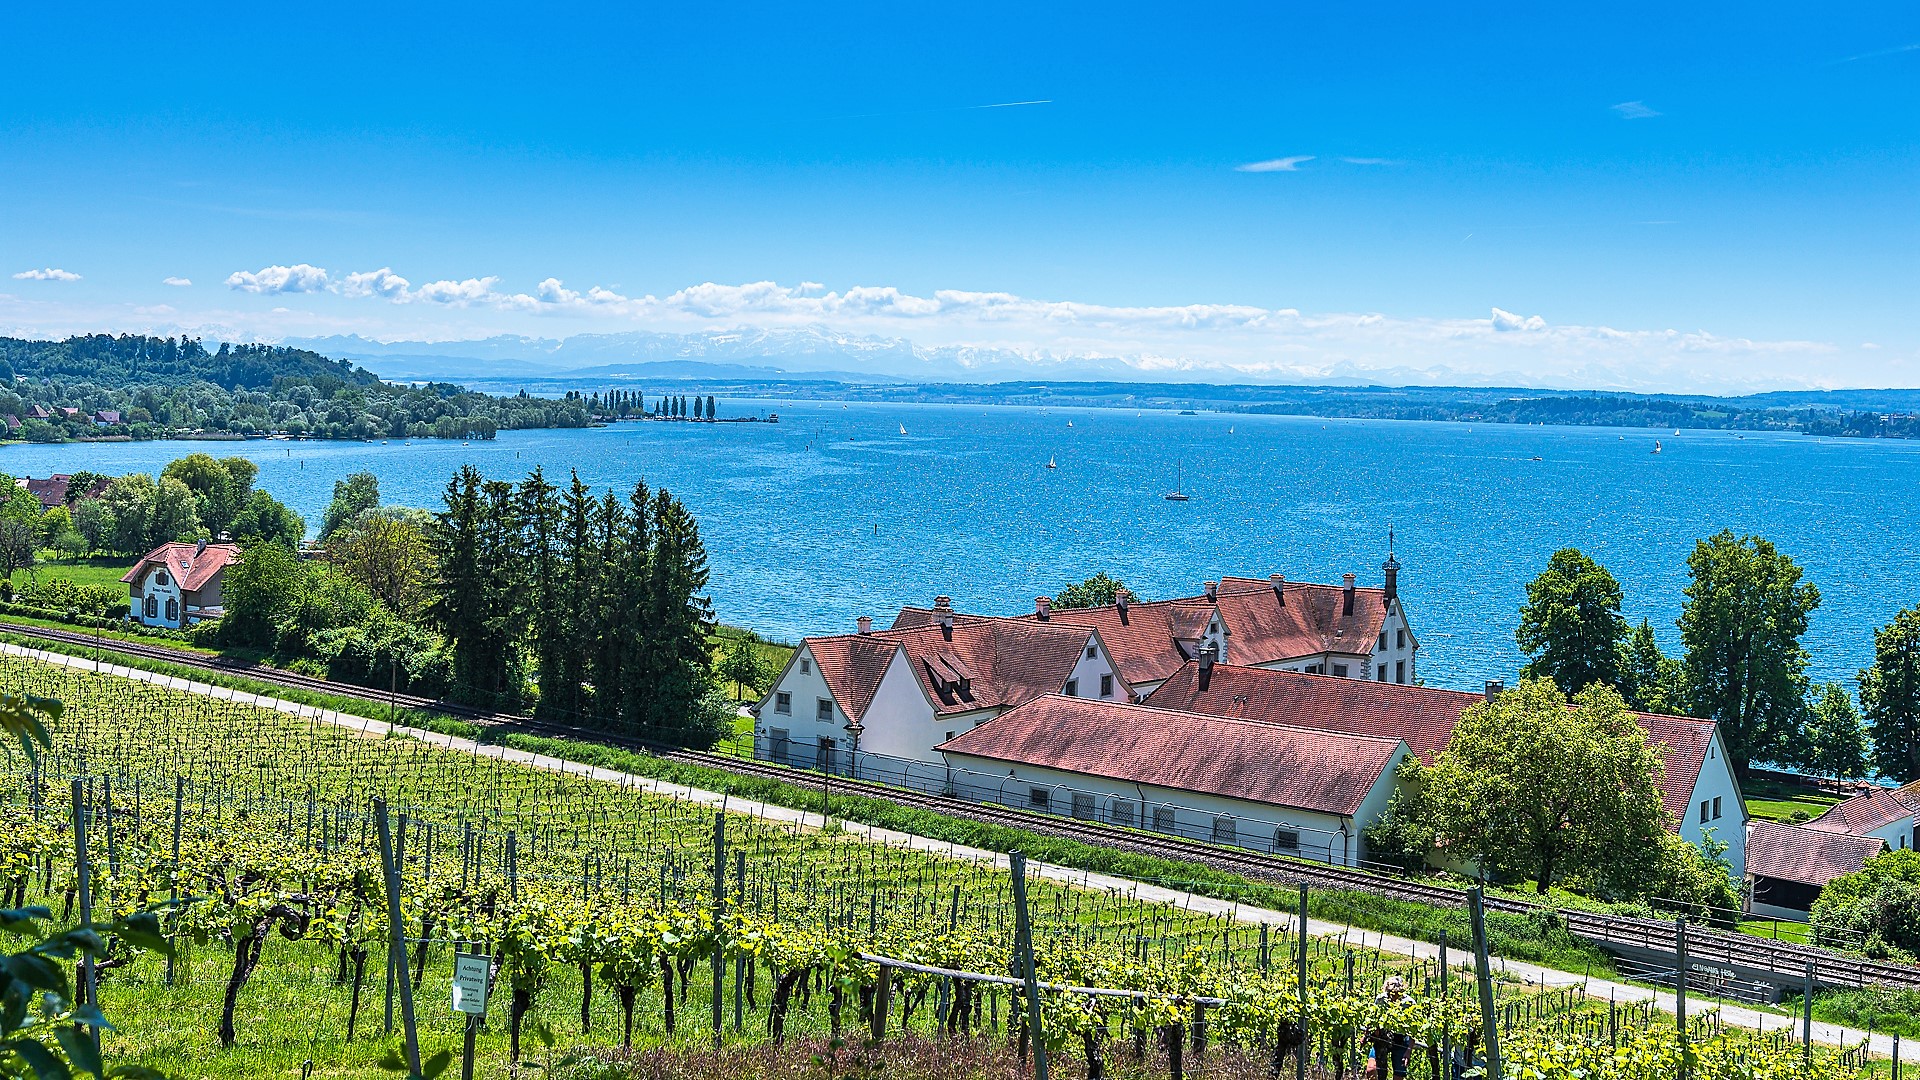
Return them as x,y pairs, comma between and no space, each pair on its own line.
1784,963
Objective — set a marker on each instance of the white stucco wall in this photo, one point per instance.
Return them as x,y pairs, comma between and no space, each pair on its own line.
149,585
1323,836
1399,647
1089,669
1716,781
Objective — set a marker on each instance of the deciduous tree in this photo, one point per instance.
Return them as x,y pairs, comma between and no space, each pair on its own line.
1835,741
1744,666
1097,591
356,493
1532,788
1649,679
1890,696
1570,626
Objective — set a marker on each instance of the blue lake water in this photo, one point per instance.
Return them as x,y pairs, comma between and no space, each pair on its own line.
833,513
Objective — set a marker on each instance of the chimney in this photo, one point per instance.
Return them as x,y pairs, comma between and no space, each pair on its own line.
943,615
1494,688
1213,590
865,624
1208,654
1346,586
1279,588
1121,598
1043,607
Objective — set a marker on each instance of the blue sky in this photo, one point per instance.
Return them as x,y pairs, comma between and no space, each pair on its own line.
1718,196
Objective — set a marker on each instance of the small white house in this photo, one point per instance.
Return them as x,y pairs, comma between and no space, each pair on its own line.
1265,786
177,585
900,693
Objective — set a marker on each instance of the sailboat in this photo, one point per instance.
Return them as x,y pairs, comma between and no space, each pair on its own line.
903,429
1656,446
1050,463
1176,495
1676,433
1069,423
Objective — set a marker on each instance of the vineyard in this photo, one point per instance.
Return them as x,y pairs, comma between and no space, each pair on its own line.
612,917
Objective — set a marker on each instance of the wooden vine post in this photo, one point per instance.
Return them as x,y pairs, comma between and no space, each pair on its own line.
1023,953
1483,975
396,939
719,914
1300,975
83,872
1680,991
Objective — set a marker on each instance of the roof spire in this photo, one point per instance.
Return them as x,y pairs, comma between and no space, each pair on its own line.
1392,571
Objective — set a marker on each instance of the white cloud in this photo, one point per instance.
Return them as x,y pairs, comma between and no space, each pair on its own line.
382,283
458,293
1369,161
1634,110
176,282
46,274
1505,321
1285,164
298,278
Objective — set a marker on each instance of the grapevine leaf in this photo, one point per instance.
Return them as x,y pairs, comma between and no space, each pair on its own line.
436,1065
23,920
80,1049
41,1060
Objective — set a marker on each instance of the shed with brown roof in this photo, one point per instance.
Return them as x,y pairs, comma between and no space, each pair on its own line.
1788,865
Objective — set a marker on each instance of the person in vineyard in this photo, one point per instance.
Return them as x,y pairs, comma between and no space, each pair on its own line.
1388,1045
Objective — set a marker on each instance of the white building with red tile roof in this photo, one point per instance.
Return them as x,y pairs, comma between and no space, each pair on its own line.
177,585
903,691
1293,790
1345,630
1698,785
1889,814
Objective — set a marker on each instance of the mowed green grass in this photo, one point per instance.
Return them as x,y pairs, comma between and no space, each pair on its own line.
106,570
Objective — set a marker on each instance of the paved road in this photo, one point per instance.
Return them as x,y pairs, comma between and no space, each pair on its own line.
1737,1015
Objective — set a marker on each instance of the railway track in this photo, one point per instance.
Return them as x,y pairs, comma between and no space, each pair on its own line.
1785,962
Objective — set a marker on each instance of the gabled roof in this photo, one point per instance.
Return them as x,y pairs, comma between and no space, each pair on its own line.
1330,772
1151,640
983,664
1869,810
194,568
51,492
1421,715
1808,856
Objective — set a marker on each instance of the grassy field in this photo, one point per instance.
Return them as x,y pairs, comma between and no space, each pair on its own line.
1773,801
104,570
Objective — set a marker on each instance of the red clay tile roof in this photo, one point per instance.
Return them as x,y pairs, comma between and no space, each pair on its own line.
1303,769
194,570
1869,810
987,663
1421,715
1808,856
1146,645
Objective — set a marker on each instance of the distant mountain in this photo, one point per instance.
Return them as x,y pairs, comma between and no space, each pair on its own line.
785,354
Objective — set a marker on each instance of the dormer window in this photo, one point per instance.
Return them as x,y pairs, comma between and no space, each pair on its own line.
160,578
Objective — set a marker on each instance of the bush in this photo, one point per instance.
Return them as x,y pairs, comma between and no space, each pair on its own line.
64,594
1875,909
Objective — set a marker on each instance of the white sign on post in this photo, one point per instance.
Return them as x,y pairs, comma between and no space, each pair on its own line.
470,983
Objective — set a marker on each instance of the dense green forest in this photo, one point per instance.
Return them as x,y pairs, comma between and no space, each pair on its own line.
154,388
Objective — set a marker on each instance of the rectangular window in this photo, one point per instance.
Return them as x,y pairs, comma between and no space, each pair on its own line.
806,666
823,709
1383,641
1106,686
1223,830
949,736
1381,671
779,748
1121,813
1399,639
1163,820
1716,808
1039,798
1093,651
1083,806
1703,812
1286,840
783,703
1073,687
1313,669
1400,671
1340,671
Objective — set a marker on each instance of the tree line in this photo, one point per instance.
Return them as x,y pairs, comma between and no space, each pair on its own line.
1742,663
587,608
